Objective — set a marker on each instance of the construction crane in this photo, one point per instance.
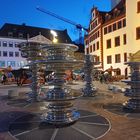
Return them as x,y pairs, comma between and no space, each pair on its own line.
78,26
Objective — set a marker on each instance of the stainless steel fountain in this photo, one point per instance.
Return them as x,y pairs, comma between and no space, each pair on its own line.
133,104
32,51
60,57
89,89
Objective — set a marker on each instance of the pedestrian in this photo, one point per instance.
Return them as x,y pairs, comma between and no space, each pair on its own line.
4,79
23,78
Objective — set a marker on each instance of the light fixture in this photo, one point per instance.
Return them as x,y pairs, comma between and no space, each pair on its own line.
55,40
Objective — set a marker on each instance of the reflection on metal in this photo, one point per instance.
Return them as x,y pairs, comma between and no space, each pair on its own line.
89,89
31,50
59,59
133,104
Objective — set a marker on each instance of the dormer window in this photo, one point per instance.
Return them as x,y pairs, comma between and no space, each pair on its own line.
20,35
107,16
10,34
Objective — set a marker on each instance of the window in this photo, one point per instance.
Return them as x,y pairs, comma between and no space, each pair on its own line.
119,24
93,15
2,63
11,63
94,47
4,53
117,41
98,45
16,54
124,39
10,44
0,53
87,50
109,28
4,44
90,48
10,34
16,45
97,59
98,33
10,54
0,43
20,35
108,43
105,30
125,57
86,43
114,26
117,58
138,7
138,33
124,22
109,59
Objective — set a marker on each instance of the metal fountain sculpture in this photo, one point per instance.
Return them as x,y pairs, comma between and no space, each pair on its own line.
31,50
60,109
133,104
89,89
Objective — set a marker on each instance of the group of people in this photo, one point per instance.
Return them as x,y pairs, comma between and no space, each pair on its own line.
7,77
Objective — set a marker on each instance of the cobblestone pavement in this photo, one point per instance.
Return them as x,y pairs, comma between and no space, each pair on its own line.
122,126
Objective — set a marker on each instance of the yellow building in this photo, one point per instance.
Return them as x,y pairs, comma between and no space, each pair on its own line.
114,36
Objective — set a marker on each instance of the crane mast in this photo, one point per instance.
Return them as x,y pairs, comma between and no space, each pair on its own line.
78,26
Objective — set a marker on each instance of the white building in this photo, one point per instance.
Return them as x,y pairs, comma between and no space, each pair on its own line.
13,34
10,54
118,35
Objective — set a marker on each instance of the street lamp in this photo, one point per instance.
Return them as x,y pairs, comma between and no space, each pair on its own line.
55,40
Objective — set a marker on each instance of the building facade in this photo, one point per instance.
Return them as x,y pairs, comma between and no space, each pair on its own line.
12,34
114,36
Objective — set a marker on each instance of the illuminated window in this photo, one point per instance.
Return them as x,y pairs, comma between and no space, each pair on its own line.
11,63
138,7
117,58
108,43
117,41
138,33
109,59
124,39
2,63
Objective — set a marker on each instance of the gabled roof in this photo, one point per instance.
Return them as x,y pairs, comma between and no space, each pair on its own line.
40,38
118,10
31,31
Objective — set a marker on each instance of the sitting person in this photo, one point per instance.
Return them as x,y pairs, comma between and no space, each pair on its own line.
23,78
